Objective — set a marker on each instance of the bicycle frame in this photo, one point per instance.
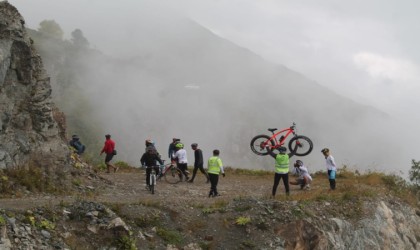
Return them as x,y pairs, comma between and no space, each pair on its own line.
282,140
165,169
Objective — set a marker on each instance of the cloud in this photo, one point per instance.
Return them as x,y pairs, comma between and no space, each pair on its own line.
381,67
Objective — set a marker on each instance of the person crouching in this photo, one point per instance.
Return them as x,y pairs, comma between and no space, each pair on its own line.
304,178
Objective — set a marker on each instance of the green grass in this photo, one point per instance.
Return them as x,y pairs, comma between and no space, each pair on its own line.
242,220
252,172
169,236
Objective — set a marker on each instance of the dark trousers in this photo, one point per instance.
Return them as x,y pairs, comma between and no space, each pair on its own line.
277,178
183,167
148,171
202,171
214,179
332,181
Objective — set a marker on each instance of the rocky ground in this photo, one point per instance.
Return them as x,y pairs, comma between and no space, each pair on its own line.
115,211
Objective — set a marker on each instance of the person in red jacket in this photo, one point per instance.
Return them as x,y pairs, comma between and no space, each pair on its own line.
109,150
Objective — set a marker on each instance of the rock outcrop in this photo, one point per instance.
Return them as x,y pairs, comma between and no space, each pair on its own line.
31,127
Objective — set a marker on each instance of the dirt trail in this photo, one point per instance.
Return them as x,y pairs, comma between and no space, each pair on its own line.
129,187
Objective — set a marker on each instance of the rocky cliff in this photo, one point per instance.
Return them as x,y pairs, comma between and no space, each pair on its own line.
272,225
32,130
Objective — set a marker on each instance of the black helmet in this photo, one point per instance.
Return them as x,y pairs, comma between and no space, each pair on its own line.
194,145
282,149
299,163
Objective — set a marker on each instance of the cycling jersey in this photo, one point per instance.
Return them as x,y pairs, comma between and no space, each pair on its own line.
181,155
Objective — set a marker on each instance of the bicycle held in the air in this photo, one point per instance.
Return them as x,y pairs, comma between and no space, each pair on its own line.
298,145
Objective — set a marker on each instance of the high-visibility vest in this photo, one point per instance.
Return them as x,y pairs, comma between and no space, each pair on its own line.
282,163
214,165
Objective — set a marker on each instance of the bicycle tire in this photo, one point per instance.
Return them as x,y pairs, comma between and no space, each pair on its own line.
173,175
152,183
258,144
300,145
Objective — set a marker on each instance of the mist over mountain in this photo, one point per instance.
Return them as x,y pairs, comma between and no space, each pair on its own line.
181,80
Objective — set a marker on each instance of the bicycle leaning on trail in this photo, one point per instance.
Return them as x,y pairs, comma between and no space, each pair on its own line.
298,145
170,172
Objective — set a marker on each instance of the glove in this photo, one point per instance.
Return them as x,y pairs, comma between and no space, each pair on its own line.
223,174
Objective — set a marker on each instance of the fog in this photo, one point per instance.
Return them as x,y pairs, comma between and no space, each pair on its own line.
211,91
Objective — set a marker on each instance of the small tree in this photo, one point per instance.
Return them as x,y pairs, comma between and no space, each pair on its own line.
51,28
79,39
414,173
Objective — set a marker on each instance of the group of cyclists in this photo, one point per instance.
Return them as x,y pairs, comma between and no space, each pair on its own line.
178,156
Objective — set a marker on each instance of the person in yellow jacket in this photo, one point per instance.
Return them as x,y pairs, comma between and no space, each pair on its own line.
214,168
281,168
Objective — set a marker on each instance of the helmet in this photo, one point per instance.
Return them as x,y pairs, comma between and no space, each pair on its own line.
75,137
179,145
325,150
282,149
150,149
299,163
194,145
149,142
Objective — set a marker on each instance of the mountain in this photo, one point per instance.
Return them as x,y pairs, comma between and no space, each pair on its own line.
181,80
32,129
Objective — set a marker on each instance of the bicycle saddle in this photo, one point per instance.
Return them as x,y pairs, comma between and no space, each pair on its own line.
272,129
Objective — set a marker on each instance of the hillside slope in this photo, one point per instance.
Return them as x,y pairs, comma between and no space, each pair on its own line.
235,95
32,129
366,211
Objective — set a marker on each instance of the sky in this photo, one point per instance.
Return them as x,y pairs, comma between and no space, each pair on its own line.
365,50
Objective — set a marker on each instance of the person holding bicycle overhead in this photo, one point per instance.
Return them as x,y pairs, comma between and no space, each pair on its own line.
215,167
181,159
198,162
149,159
281,169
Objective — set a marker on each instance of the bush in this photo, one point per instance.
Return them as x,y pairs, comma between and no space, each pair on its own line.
414,173
242,221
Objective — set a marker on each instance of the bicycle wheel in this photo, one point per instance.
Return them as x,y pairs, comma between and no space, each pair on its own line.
259,142
300,145
152,183
173,175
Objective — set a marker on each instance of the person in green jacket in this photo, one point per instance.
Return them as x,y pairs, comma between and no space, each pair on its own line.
214,168
281,169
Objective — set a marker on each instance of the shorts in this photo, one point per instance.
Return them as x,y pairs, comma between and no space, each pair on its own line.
108,157
300,181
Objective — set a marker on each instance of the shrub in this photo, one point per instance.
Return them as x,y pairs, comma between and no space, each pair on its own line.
170,236
2,221
414,173
242,221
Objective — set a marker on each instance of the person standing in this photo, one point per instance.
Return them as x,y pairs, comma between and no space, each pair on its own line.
214,168
331,167
281,169
181,159
198,162
109,150
172,148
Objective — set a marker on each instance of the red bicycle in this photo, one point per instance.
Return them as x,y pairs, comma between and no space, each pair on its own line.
170,172
298,145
